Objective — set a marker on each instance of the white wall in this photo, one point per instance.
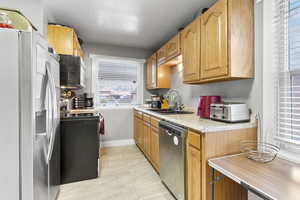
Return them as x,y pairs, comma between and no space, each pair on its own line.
239,90
118,123
32,9
116,51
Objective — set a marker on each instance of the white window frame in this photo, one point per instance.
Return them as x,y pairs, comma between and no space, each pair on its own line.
269,91
140,77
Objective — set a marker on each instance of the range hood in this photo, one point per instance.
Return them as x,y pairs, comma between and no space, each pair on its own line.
72,72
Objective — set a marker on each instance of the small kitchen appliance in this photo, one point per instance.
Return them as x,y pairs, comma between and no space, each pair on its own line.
230,112
156,102
204,105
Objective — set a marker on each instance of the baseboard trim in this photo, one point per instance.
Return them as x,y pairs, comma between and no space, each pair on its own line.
116,143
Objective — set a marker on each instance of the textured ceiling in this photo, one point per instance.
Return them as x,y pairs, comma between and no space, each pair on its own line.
132,23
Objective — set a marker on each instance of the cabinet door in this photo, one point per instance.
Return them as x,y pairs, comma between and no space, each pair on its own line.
153,71
81,52
141,134
135,126
154,148
75,45
190,46
173,47
161,55
146,139
214,58
149,73
61,39
194,173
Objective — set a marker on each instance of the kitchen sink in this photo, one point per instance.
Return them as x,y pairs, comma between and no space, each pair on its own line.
171,112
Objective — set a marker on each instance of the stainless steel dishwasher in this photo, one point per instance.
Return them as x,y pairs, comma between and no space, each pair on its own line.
172,139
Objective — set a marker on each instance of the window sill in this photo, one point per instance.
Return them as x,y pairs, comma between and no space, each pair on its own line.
115,107
290,156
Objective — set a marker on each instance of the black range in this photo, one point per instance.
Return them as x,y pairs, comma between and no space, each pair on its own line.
79,147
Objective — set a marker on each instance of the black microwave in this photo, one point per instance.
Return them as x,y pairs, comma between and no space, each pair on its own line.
72,72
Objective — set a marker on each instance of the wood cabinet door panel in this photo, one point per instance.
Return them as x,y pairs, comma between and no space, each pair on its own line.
61,39
190,52
194,173
149,73
153,71
155,148
161,55
214,56
135,129
141,134
146,139
173,47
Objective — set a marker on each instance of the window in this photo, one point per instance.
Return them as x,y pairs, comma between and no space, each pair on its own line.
287,57
116,82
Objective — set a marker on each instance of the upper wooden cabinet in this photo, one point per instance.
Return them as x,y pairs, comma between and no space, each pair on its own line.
169,51
214,58
173,48
161,55
64,40
190,48
152,72
224,48
157,76
149,73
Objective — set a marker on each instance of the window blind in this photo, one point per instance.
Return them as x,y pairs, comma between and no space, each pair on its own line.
287,62
116,82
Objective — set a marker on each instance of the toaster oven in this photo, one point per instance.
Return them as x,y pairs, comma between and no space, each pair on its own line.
230,112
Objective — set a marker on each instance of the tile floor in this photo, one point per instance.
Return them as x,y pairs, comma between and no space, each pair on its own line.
125,174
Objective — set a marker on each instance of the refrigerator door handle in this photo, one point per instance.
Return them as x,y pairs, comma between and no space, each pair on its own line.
55,113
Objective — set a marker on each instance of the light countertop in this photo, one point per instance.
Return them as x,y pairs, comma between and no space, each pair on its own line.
278,180
199,124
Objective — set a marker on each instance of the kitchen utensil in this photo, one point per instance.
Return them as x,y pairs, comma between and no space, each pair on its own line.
259,151
204,105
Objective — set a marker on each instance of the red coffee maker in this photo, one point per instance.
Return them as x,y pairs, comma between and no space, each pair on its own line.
204,105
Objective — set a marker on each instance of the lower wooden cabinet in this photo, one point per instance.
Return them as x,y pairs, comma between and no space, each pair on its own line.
203,146
154,148
135,128
193,170
199,148
139,134
146,136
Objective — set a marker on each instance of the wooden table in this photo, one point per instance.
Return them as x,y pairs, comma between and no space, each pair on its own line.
276,180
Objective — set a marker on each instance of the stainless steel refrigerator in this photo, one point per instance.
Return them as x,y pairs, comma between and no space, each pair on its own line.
29,117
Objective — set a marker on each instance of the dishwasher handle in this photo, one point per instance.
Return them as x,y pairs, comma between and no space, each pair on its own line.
168,132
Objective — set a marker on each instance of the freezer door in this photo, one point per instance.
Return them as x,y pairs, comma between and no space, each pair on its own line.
46,118
54,162
43,122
